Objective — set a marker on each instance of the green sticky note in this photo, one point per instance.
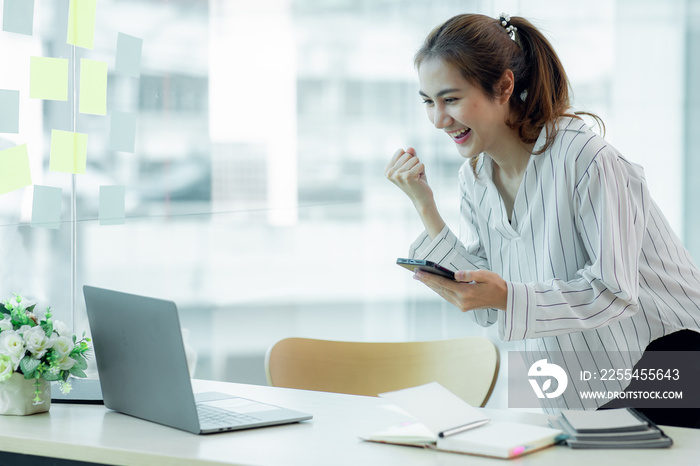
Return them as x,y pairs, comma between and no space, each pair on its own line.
81,23
48,78
68,152
46,208
93,87
14,169
111,205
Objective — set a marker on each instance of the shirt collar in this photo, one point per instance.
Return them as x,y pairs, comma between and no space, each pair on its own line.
484,167
562,124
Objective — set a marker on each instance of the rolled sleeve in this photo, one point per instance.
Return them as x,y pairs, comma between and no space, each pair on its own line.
519,316
447,250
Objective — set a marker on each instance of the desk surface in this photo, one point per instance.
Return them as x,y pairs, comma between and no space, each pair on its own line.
93,433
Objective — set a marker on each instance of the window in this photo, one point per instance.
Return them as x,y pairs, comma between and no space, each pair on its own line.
255,197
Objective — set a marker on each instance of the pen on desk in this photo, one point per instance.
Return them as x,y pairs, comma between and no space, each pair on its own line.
457,430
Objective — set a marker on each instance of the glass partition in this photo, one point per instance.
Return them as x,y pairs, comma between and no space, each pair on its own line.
254,195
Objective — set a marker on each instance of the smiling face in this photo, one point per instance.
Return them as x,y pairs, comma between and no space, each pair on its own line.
475,122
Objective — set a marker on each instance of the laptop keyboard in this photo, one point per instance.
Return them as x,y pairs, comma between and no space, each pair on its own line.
215,418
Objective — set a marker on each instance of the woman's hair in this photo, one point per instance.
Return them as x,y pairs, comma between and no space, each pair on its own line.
482,49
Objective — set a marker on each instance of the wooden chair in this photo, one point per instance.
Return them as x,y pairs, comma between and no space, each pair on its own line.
466,366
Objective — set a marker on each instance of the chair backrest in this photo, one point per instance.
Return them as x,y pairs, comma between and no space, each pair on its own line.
466,366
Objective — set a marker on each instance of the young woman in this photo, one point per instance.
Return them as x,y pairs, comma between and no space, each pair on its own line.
560,243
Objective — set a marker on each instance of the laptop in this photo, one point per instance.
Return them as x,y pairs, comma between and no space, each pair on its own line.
143,369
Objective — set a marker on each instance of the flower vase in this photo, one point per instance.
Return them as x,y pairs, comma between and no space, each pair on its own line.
18,396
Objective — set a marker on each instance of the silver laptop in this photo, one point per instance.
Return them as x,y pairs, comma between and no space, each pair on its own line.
143,369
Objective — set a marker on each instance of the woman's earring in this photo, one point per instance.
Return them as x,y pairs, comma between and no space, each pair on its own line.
523,95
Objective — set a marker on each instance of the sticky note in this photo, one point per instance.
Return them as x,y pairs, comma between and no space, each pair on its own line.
46,208
68,152
9,111
93,87
48,78
18,16
111,205
128,60
81,23
122,131
14,169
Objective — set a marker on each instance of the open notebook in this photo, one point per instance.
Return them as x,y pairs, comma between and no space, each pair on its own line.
446,422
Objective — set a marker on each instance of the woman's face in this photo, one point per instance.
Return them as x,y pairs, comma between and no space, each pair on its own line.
470,118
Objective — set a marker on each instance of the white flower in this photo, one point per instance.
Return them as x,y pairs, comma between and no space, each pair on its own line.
66,363
5,324
65,387
12,345
6,367
63,346
61,328
37,342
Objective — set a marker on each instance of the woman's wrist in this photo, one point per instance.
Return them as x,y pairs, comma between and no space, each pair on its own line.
433,222
502,295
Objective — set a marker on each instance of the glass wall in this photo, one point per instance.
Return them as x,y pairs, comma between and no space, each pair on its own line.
255,197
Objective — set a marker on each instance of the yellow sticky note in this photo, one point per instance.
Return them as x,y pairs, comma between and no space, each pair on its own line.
81,23
14,169
93,87
48,78
68,152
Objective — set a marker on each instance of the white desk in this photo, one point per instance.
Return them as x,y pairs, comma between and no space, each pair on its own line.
92,433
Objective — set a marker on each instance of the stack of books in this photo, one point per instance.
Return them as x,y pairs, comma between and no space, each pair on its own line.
610,428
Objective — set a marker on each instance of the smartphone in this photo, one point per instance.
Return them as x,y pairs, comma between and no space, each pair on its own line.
427,266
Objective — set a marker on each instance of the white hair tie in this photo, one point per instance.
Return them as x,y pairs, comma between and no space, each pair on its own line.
510,29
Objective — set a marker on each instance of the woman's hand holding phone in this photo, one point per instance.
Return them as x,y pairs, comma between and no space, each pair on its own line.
475,289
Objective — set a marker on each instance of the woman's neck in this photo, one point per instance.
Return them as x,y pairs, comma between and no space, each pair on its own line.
510,159
511,155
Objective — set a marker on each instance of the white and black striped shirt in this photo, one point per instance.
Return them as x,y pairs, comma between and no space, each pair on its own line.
592,264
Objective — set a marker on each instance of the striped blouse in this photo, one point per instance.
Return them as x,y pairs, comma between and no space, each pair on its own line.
591,263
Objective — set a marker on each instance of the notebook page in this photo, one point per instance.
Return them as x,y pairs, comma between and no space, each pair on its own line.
436,407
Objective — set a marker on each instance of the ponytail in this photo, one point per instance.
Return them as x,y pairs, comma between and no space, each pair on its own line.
483,48
546,88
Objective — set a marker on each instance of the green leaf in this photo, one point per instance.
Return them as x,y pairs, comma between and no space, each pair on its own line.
28,365
51,377
30,308
77,372
48,328
80,362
